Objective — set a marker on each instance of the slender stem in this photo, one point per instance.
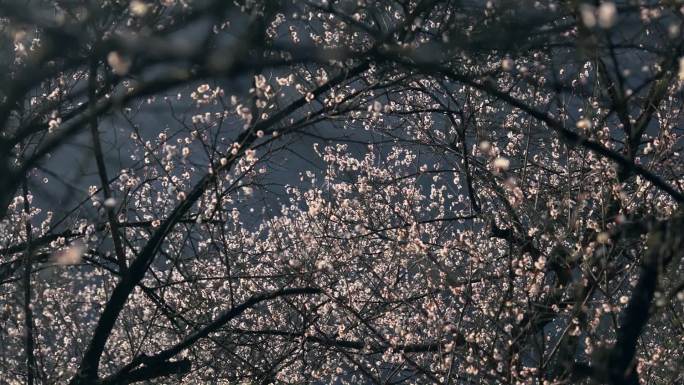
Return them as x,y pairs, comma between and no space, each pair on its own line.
28,315
102,169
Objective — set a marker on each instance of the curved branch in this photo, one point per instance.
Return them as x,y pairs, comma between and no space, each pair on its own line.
161,358
569,137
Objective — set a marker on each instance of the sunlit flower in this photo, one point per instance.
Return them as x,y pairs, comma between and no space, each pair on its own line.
120,64
138,8
502,163
71,255
607,14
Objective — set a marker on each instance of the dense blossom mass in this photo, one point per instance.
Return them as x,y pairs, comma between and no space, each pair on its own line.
341,192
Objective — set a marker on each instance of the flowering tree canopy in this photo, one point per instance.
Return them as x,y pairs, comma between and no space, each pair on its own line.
341,192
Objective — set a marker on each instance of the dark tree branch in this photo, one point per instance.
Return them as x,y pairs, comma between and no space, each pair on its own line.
163,356
102,170
28,313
